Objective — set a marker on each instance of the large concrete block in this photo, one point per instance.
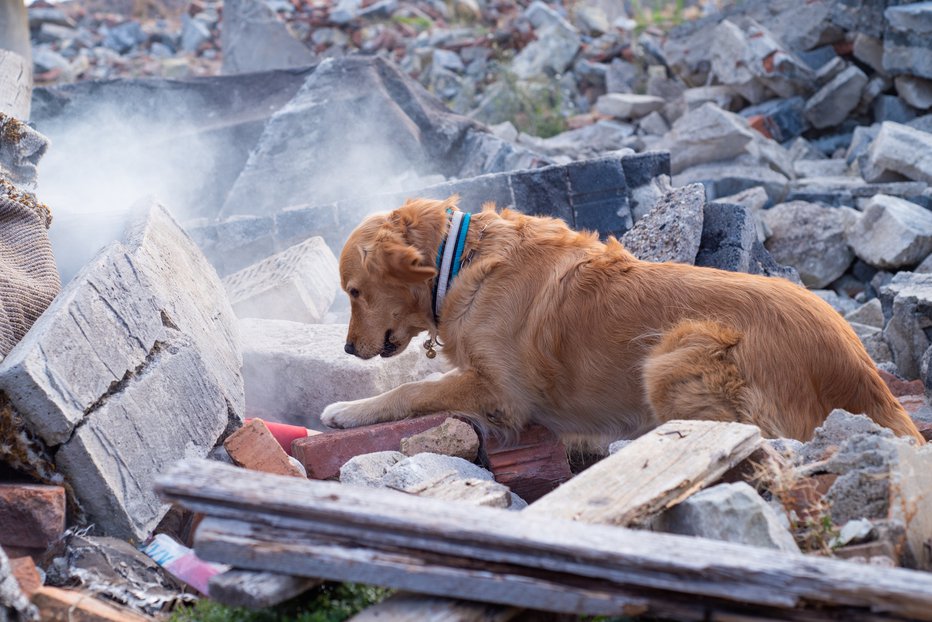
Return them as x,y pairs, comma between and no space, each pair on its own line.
672,230
292,370
906,39
298,284
706,134
907,306
892,233
899,149
135,364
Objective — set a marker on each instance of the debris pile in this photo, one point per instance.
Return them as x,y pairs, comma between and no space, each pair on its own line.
786,139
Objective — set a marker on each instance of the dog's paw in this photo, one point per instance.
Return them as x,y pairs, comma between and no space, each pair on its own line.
341,415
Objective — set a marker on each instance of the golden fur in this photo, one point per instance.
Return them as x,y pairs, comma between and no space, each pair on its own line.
550,325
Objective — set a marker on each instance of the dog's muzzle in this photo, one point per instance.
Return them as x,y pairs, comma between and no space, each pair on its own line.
390,348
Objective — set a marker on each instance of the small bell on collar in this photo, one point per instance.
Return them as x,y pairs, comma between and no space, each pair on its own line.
429,346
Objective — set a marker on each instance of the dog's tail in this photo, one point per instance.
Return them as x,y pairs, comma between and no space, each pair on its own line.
872,397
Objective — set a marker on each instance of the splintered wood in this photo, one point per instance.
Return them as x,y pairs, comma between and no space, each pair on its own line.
536,558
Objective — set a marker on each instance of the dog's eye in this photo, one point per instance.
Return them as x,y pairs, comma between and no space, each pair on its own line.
353,292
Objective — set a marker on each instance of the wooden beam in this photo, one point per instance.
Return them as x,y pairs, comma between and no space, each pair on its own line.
256,589
655,472
379,523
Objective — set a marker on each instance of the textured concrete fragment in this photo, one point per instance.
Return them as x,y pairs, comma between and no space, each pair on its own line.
706,134
899,149
298,284
628,105
729,512
892,233
672,230
453,437
906,39
135,365
831,104
907,305
369,469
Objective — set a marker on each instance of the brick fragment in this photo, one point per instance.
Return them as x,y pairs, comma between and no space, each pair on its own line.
453,437
254,447
57,605
31,516
26,574
531,466
323,454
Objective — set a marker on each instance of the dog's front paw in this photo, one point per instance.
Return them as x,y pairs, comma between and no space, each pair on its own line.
345,415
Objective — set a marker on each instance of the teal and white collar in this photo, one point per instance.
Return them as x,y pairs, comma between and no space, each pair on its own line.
449,258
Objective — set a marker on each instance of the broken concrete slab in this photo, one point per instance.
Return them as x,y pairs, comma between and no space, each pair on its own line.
298,284
292,370
725,179
906,39
473,491
672,230
414,471
453,437
369,469
916,92
811,238
254,39
779,119
907,305
831,104
730,242
892,108
628,105
146,322
706,134
899,149
728,512
406,130
869,314
554,48
891,233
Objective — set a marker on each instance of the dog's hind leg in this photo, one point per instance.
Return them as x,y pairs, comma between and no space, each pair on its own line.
691,374
460,391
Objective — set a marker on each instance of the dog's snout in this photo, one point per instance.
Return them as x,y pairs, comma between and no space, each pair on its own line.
350,347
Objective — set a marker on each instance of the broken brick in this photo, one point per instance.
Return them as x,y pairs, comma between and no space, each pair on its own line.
323,454
57,605
254,447
26,575
531,466
31,515
286,434
900,387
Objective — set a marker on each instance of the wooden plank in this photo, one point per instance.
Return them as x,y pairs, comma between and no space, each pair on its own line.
416,608
57,605
264,547
256,589
655,472
631,559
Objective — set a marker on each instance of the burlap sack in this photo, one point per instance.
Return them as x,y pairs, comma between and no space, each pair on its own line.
28,277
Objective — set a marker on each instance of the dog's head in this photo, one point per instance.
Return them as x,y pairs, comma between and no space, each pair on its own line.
386,269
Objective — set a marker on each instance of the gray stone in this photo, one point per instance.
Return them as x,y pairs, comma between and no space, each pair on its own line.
618,445
293,370
415,471
254,39
880,477
748,56
729,512
784,446
906,40
900,149
869,50
452,487
873,341
628,105
135,364
907,305
914,91
369,469
839,426
892,108
841,303
820,168
725,179
831,104
803,149
451,438
729,242
869,314
654,124
14,605
672,230
892,233
707,134
754,200
724,96
554,48
811,238
860,15
194,32
848,191
590,141
861,141
298,284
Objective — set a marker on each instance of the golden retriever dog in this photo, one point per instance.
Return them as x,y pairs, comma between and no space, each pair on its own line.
549,325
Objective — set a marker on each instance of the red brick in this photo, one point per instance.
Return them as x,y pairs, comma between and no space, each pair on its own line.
31,516
532,465
286,433
254,447
900,387
323,454
26,574
912,403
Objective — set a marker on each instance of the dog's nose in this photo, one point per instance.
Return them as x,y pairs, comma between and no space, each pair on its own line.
349,348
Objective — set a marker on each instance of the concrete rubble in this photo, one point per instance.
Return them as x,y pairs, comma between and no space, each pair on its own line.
790,139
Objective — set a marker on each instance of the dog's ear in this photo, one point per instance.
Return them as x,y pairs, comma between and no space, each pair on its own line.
395,259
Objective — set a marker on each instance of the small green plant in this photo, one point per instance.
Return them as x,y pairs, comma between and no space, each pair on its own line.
328,603
419,22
